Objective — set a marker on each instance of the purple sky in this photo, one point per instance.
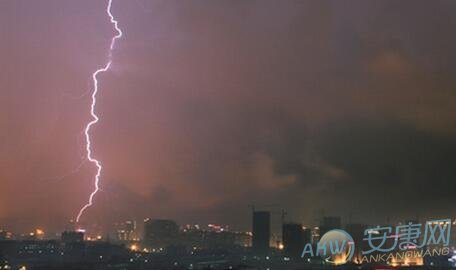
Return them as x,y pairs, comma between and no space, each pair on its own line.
345,107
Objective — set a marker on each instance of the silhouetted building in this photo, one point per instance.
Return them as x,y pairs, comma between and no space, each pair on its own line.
293,239
329,223
72,237
218,240
160,233
261,229
30,250
357,233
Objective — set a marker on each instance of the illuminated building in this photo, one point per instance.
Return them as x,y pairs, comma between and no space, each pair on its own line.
126,231
5,235
243,239
315,233
39,234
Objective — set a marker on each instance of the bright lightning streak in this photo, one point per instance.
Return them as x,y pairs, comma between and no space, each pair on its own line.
95,118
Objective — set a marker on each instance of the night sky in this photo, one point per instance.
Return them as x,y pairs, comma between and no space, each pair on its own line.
337,107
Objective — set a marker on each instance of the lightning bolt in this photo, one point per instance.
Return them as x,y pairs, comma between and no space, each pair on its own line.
95,117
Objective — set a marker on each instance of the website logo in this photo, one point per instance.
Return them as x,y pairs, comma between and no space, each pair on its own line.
404,244
335,247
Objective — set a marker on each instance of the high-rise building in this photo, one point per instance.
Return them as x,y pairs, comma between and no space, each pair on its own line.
329,223
261,230
160,233
294,239
357,233
307,235
126,231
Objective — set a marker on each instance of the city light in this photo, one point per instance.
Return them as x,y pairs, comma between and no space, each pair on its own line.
134,247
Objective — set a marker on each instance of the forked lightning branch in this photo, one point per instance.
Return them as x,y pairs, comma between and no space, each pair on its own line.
94,115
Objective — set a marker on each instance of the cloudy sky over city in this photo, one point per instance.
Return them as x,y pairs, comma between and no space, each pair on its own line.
337,107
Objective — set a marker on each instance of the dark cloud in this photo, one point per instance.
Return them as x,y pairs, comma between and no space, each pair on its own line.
392,165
